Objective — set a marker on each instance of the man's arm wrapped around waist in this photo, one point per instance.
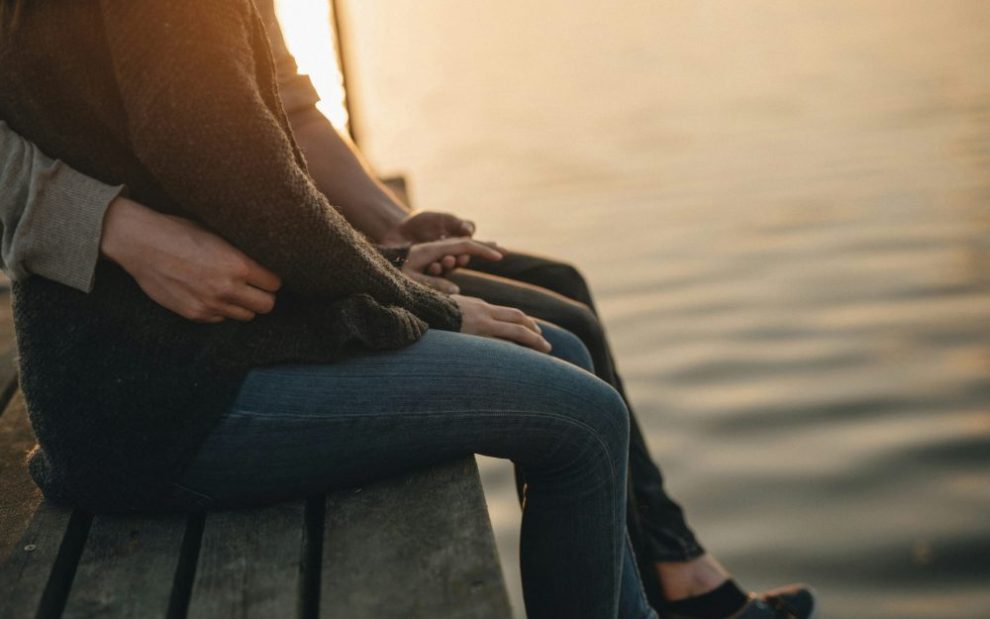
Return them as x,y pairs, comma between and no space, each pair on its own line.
51,215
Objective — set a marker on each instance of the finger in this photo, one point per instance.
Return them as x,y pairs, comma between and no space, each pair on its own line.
435,269
252,299
457,246
455,226
197,311
520,335
463,260
448,262
470,247
236,312
511,314
209,318
260,277
437,283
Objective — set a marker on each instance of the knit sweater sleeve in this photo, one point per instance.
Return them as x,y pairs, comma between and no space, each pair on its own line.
197,84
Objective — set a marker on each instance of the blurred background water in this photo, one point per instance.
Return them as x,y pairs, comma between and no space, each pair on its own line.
783,210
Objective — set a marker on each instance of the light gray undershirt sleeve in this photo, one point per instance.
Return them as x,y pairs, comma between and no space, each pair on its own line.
51,215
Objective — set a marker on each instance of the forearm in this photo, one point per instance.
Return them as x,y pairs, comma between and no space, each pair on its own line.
51,216
344,177
335,164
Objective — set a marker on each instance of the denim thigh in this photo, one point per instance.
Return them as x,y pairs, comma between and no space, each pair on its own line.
298,429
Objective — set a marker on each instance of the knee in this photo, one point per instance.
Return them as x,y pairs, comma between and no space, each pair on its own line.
613,425
565,279
613,418
578,319
567,346
599,423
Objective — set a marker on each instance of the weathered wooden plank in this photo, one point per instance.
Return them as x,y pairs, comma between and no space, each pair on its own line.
127,567
416,546
6,319
8,374
8,349
34,578
20,497
251,563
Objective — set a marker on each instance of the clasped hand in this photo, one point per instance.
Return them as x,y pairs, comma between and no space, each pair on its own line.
442,243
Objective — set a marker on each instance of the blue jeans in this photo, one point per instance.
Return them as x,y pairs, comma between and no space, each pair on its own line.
297,430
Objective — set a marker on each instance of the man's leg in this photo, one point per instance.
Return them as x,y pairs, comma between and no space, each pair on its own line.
665,546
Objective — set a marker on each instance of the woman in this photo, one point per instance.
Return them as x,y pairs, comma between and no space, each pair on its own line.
136,408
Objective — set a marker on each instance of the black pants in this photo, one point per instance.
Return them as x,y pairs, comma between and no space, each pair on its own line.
557,292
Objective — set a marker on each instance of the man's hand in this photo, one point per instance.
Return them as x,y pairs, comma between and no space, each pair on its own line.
448,254
425,226
505,323
184,267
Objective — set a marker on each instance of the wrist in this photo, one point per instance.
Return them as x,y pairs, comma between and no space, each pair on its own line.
388,228
122,225
396,255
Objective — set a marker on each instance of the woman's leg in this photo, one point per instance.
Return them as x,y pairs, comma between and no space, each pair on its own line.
633,601
296,430
657,524
632,597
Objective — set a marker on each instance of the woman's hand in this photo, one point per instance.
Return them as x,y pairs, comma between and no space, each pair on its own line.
428,260
505,323
184,267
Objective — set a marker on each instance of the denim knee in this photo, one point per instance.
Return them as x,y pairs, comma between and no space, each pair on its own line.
592,441
567,346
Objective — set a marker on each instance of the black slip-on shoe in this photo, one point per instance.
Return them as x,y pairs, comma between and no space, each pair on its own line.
788,602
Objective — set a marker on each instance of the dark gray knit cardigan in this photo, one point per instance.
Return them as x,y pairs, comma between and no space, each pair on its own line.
177,100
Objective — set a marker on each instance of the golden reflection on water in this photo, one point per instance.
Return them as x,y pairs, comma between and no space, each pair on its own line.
783,208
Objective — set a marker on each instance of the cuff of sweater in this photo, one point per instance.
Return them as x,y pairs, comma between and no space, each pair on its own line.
72,207
438,310
396,256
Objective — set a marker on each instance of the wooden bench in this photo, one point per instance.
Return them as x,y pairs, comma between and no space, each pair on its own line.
416,546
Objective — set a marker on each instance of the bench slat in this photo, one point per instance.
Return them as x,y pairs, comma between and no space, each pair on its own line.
250,563
43,555
20,496
127,567
416,546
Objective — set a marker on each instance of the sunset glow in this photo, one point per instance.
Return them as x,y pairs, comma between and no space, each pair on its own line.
309,34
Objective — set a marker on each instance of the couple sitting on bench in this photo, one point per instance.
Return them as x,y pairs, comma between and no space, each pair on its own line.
199,327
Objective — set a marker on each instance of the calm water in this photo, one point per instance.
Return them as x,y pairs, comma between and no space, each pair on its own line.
783,207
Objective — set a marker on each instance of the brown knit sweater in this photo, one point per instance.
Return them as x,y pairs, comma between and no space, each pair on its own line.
177,100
